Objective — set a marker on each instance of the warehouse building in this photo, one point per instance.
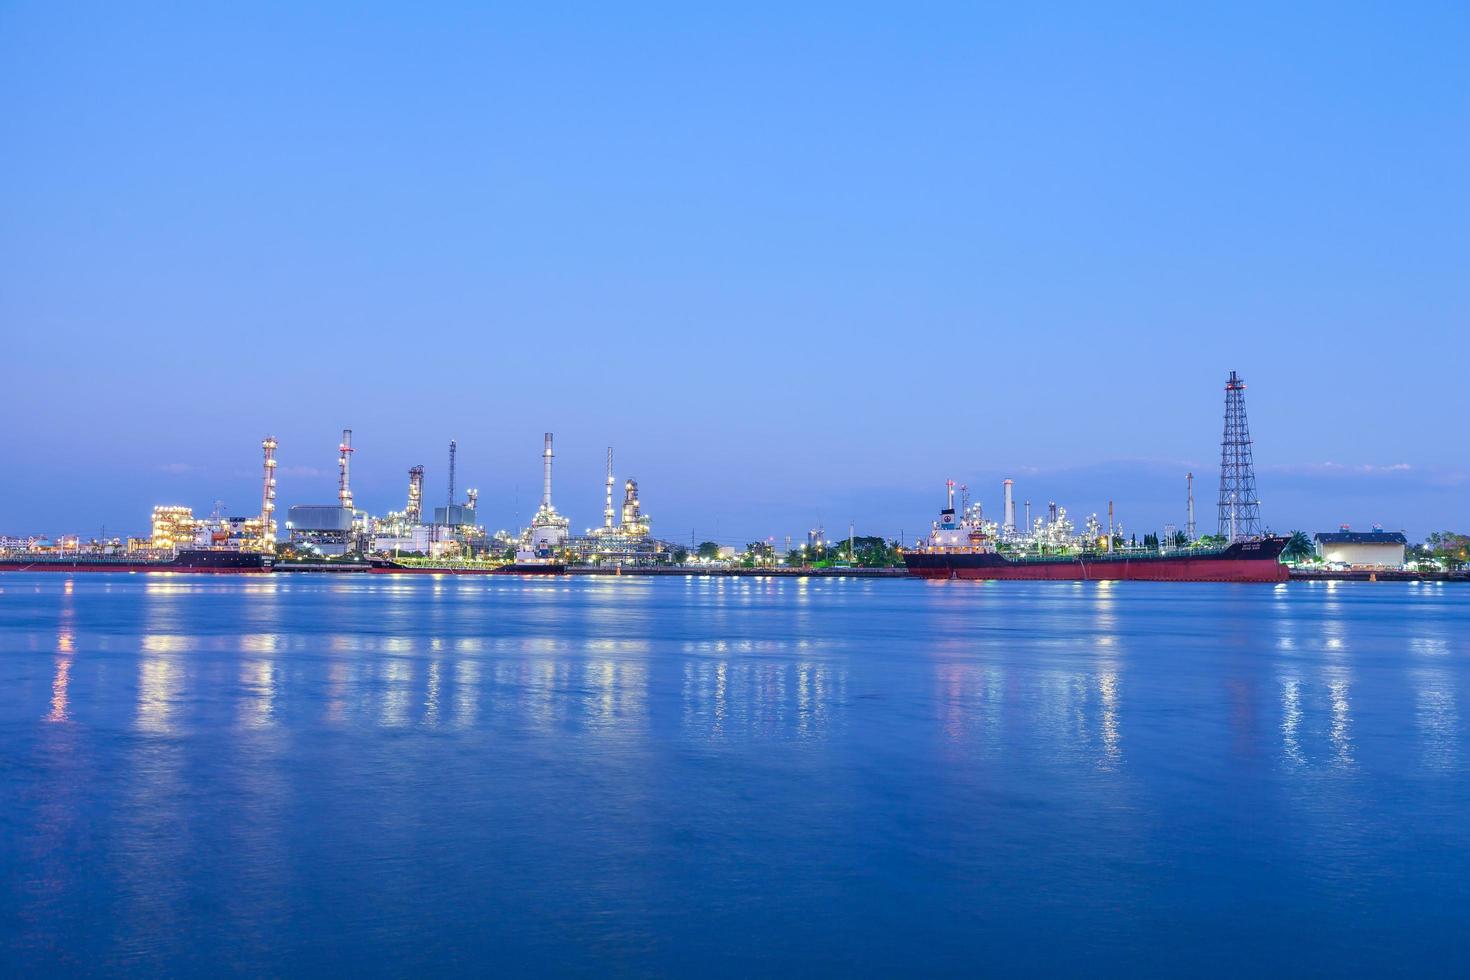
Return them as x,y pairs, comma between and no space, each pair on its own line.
1374,549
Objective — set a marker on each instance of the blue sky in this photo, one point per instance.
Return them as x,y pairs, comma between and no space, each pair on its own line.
796,265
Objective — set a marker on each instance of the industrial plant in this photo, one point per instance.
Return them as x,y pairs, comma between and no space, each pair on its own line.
1023,542
450,536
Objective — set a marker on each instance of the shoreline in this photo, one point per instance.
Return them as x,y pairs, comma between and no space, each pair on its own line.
656,571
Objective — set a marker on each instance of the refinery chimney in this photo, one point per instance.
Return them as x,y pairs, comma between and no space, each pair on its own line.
1189,527
607,511
1010,510
344,458
453,449
546,456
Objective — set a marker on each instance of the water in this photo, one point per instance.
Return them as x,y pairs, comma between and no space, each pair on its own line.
399,776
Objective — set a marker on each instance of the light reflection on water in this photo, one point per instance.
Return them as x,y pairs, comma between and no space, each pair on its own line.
306,761
159,685
258,679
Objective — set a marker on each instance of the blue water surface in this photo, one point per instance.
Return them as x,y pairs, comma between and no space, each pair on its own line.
408,776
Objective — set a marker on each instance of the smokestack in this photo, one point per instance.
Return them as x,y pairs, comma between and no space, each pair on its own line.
607,512
546,477
1010,510
1189,527
1110,525
344,486
453,450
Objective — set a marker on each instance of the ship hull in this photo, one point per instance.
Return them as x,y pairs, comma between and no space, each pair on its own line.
1246,561
186,562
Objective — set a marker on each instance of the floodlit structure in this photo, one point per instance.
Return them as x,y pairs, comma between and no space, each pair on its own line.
548,532
1010,506
1363,549
635,522
173,528
267,540
628,542
331,529
323,527
414,512
396,539
344,463
607,510
1240,510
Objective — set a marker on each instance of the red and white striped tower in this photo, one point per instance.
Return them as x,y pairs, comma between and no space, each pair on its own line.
267,541
344,463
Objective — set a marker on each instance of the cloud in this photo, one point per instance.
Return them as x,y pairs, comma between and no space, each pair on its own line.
307,471
1331,468
178,468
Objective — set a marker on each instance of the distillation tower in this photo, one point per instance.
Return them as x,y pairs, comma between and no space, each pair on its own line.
344,465
414,513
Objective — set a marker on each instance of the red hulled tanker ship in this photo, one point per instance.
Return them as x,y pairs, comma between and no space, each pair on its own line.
962,549
964,546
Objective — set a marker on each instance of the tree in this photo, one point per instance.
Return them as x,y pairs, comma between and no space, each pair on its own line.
1449,547
708,550
1298,548
758,553
871,551
681,555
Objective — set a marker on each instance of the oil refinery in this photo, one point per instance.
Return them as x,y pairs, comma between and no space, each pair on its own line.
965,542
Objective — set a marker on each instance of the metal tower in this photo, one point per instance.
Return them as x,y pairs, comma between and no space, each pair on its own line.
1240,510
414,512
344,465
268,497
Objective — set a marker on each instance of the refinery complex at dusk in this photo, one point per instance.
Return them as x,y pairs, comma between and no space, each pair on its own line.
1027,540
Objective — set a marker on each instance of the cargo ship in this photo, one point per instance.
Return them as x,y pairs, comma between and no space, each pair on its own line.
963,547
190,561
